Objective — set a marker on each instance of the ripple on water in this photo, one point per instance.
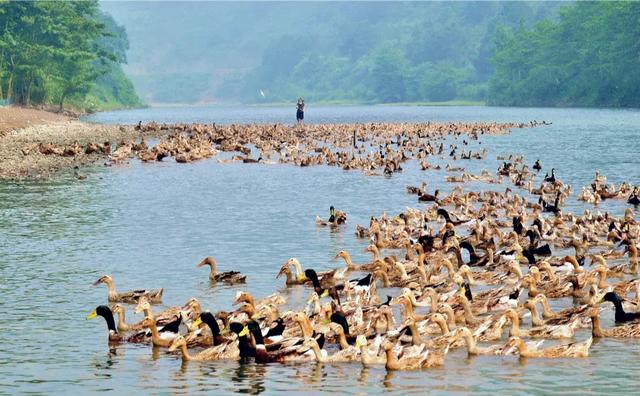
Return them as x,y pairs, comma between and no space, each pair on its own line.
148,225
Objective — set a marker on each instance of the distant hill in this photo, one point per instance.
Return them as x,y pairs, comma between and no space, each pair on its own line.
266,52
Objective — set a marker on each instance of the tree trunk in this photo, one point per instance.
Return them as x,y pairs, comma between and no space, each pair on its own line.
1,91
62,100
10,87
28,94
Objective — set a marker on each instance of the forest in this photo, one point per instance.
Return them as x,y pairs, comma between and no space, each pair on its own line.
339,52
63,54
589,57
75,54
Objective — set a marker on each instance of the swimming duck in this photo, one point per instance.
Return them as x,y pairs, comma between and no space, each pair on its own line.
218,352
214,275
544,331
262,355
424,197
122,325
536,166
425,360
349,354
620,315
291,279
161,339
132,297
343,254
199,337
369,355
552,178
633,198
623,331
105,312
575,349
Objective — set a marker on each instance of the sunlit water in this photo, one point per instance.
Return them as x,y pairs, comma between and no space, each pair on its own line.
149,224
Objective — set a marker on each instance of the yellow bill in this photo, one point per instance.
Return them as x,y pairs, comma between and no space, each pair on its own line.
244,331
92,315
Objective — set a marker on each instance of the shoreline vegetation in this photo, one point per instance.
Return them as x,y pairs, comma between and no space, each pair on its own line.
63,54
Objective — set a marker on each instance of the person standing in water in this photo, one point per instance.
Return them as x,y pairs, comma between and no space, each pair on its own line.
300,111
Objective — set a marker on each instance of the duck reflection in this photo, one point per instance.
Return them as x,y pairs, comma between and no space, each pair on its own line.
364,376
386,382
250,378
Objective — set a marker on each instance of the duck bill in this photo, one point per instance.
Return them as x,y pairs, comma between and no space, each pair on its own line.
172,348
92,315
244,332
96,283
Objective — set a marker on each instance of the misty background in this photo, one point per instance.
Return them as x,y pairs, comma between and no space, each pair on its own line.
209,52
499,53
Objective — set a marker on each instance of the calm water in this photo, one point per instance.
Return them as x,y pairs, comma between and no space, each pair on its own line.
149,224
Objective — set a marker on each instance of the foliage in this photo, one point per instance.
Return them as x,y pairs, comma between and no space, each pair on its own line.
325,51
61,52
589,57
393,53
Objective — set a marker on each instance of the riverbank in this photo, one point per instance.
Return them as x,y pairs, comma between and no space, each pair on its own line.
36,144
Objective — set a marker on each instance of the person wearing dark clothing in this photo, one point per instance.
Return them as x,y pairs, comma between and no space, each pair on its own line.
300,110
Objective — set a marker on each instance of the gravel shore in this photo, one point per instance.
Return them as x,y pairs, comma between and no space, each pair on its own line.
36,144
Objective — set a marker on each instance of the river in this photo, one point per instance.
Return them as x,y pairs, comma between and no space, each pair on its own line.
149,224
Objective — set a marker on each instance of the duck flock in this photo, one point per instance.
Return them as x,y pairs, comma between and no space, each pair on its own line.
479,270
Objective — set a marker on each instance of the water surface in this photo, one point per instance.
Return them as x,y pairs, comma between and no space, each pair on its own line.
149,224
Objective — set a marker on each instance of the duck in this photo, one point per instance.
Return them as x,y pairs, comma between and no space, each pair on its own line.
576,314
544,331
427,359
291,280
245,350
321,356
215,276
620,315
107,314
424,197
218,352
163,318
575,349
132,297
321,291
623,331
537,166
633,198
199,337
262,355
552,178
369,355
343,254
122,324
472,347
161,339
